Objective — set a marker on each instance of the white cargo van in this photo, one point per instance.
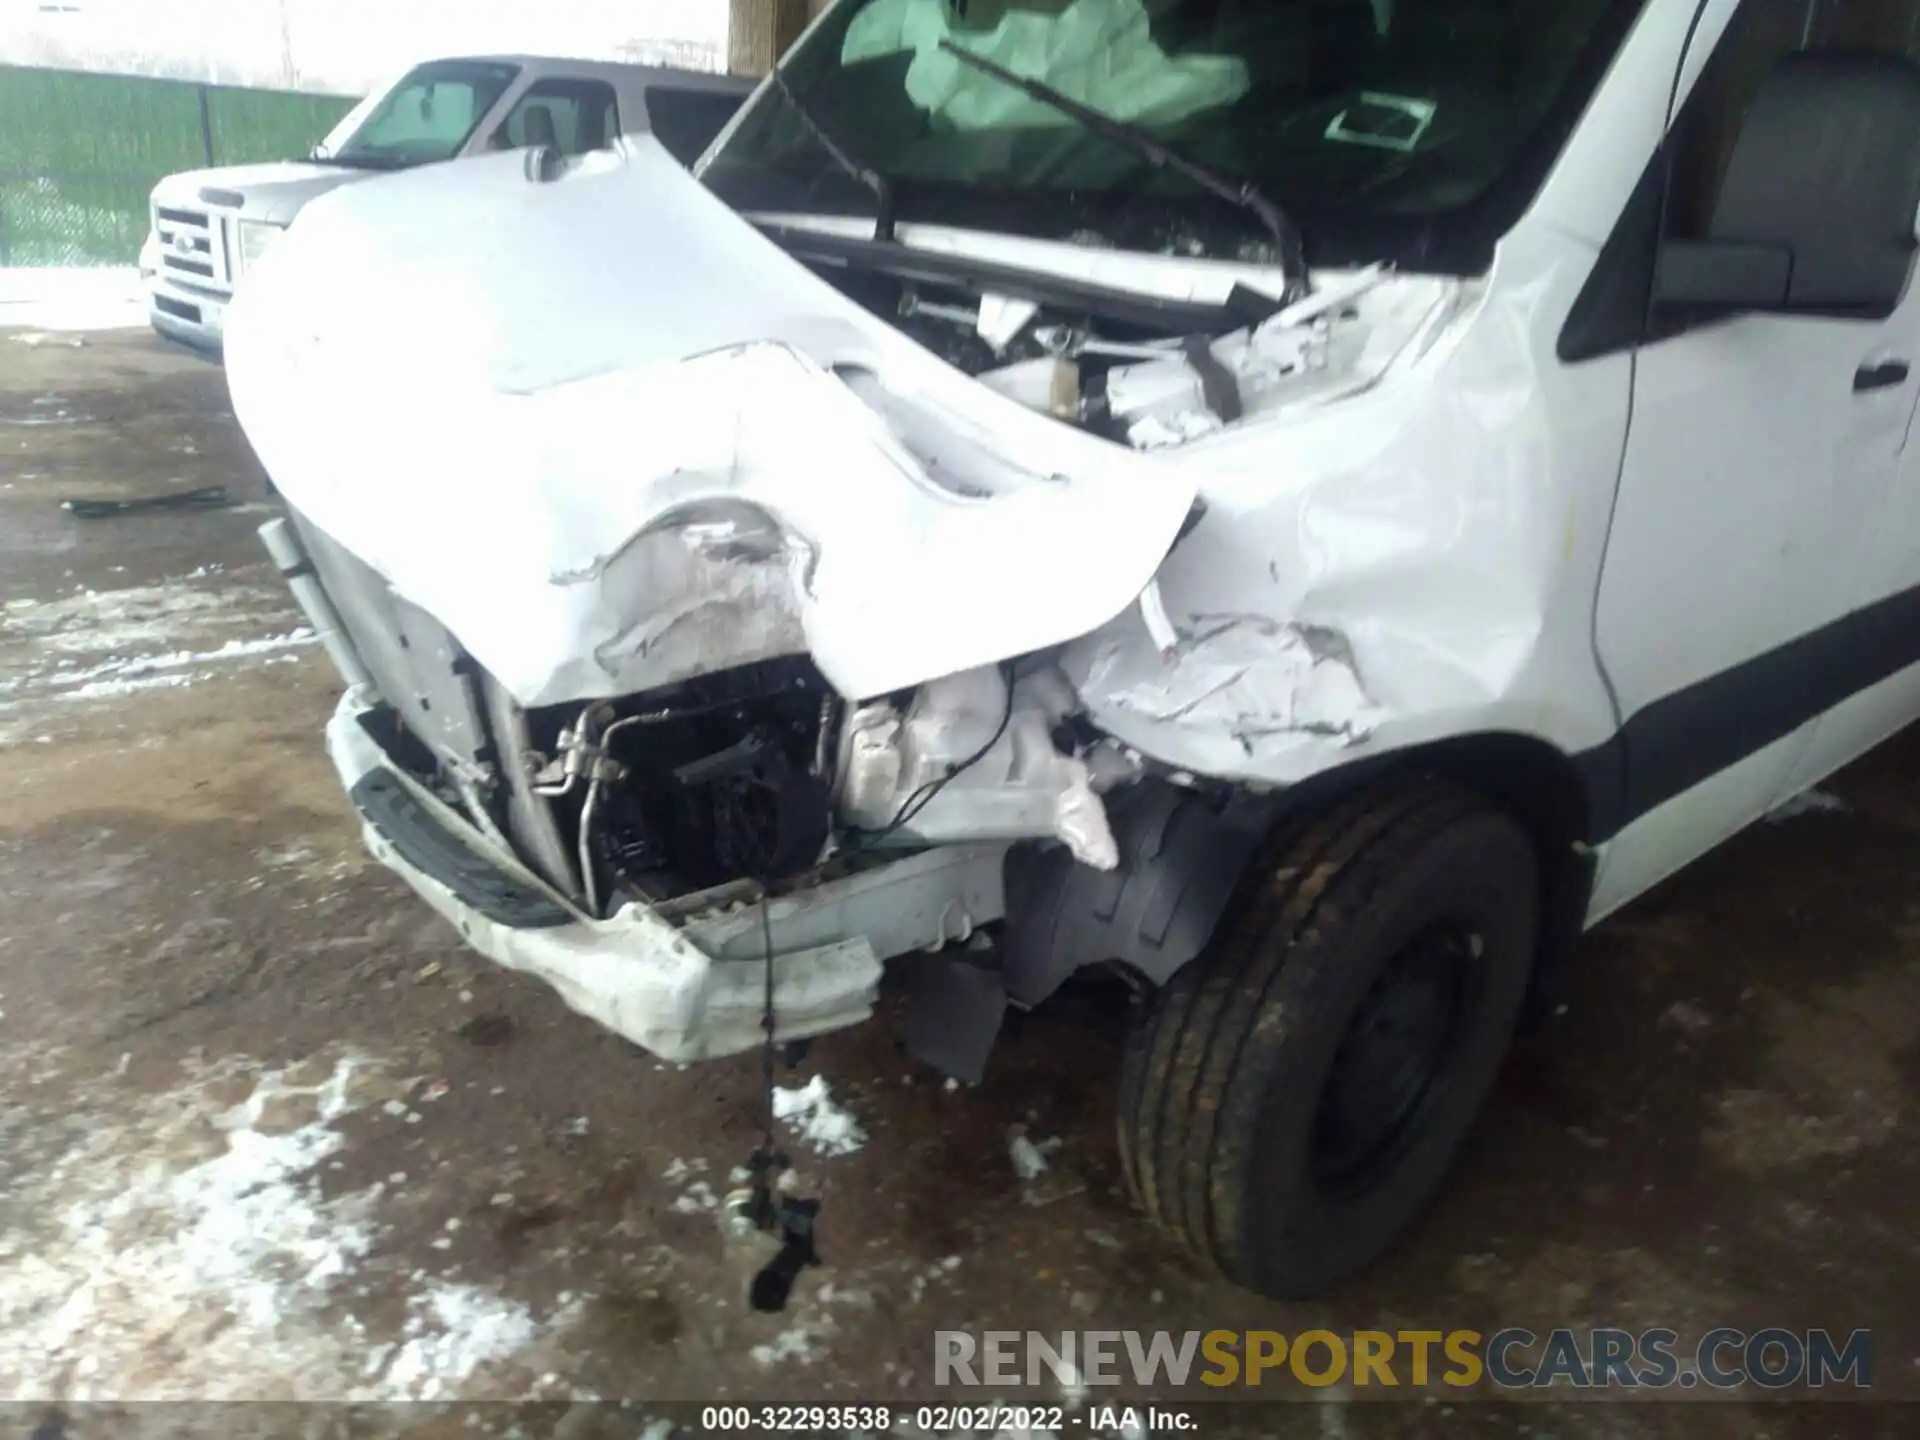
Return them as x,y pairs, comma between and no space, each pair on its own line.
1310,505
210,225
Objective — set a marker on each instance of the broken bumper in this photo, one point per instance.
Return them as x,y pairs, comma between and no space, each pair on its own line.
637,973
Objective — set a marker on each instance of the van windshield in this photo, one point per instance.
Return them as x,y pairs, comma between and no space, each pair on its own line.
427,115
1410,130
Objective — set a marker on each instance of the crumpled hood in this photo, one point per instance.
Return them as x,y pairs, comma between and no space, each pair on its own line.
609,435
275,190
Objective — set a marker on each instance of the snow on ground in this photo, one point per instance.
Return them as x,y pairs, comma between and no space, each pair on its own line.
112,622
93,645
140,672
178,1246
65,301
812,1113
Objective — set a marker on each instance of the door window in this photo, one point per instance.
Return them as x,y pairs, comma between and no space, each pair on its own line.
573,116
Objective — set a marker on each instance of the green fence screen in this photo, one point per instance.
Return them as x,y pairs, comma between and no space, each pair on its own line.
79,153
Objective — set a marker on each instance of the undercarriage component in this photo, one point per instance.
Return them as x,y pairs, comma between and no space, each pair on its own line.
714,780
957,1005
1181,859
771,819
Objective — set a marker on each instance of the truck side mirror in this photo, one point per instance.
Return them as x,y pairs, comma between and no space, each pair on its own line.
1721,277
1816,212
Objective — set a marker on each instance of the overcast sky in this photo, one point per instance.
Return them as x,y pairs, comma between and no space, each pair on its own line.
342,45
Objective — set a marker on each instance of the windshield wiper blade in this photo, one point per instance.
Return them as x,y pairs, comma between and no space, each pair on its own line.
881,187
1156,152
356,162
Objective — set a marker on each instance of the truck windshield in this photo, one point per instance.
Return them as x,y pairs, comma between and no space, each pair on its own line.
427,115
1407,130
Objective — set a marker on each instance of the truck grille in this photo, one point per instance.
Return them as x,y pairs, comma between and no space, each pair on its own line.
193,248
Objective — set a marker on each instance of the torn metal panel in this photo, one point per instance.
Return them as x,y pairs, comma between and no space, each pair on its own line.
1408,563
1250,677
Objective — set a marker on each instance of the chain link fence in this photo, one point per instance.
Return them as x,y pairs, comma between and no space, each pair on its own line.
79,153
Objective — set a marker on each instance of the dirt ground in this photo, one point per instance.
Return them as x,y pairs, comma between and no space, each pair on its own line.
269,1133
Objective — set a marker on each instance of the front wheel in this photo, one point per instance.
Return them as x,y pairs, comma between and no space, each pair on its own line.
1294,1096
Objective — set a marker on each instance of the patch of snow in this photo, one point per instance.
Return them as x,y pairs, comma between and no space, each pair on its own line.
176,1246
799,1343
451,1332
812,1113
110,621
68,300
114,689
1808,802
698,1200
1686,1016
679,1170
146,671
235,1249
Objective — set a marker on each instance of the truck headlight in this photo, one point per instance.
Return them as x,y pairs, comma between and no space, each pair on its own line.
254,238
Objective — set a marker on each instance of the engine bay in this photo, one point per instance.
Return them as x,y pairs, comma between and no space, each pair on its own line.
763,774
1135,369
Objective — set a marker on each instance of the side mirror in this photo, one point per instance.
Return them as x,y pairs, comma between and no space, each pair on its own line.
1721,277
1825,177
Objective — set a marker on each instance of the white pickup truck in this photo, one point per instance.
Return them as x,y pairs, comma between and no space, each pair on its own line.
1307,505
209,226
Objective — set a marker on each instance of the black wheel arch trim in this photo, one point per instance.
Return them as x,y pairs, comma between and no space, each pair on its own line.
1184,855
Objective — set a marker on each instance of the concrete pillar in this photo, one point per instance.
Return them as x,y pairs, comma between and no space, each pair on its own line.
759,32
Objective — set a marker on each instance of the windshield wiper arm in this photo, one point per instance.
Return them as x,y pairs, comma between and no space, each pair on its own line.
1156,152
881,187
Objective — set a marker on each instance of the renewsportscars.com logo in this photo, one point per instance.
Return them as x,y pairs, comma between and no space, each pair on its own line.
1774,1359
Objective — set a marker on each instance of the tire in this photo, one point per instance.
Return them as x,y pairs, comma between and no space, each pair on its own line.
1393,934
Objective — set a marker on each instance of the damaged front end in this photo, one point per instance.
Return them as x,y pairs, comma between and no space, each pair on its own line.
649,855
743,619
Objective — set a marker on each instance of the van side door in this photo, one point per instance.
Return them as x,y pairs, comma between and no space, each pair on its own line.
1751,470
1882,465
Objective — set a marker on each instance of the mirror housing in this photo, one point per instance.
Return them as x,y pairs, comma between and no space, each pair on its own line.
1824,179
1721,277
